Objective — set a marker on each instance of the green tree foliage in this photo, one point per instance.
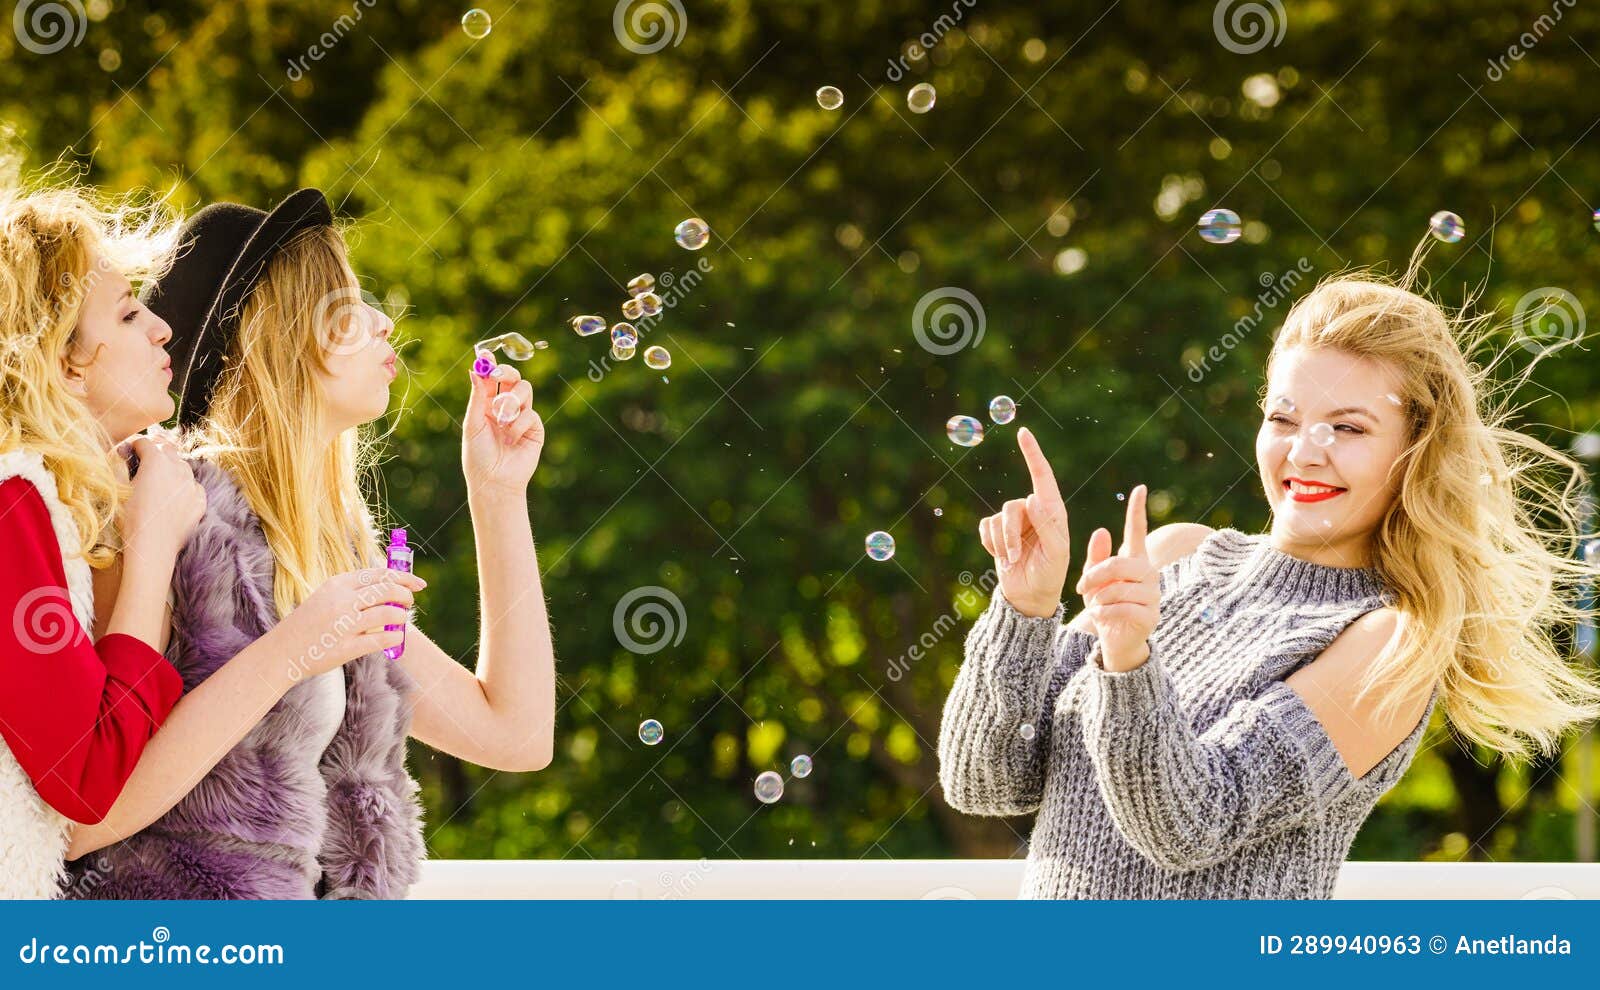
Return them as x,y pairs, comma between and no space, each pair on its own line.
512,182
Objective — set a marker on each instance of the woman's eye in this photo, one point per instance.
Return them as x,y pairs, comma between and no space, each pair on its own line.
1354,430
1276,418
132,314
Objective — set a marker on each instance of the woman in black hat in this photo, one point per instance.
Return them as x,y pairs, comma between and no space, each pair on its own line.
284,365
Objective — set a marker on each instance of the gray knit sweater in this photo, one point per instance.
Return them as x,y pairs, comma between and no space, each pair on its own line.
1200,774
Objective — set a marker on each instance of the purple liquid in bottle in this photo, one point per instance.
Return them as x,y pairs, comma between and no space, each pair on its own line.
400,558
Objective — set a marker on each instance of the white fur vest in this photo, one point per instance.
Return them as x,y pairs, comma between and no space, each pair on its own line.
33,835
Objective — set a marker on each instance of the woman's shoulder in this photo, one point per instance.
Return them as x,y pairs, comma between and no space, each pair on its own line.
1175,541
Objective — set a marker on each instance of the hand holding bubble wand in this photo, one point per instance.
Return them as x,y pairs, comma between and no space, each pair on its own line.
502,436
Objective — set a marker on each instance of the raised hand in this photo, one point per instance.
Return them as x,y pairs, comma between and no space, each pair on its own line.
500,452
1123,592
1029,540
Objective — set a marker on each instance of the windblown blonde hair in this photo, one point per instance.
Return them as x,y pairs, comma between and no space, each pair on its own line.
1481,546
264,424
57,238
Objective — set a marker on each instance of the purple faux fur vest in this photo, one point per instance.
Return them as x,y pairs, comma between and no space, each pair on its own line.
270,821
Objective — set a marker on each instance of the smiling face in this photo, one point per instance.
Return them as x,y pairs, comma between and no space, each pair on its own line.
1330,436
118,364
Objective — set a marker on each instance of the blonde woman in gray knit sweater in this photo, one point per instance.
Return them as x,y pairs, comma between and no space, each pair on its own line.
1227,709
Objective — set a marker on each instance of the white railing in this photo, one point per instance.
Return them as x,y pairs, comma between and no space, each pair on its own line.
988,879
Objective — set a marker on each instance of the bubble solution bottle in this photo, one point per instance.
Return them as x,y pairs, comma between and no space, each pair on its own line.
400,558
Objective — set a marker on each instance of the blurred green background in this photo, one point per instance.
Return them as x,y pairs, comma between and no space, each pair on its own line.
512,181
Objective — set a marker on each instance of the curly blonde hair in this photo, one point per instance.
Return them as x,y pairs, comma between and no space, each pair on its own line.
57,238
1482,544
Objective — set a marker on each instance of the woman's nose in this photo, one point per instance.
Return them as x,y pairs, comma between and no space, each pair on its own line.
161,331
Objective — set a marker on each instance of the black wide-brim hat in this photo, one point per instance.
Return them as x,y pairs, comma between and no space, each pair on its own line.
223,252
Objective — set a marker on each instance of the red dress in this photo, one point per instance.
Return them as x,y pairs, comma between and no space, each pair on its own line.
75,714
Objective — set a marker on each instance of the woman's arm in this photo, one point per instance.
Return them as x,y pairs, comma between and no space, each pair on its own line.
76,715
1015,668
1274,761
502,716
205,725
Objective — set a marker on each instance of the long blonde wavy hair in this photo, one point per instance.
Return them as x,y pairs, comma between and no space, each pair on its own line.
265,422
57,238
1482,544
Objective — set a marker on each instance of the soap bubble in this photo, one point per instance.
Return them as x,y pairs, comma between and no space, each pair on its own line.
964,431
650,732
649,304
587,326
506,407
1591,552
938,512
1597,219
657,358
633,308
1002,409
830,98
920,98
800,766
1219,226
640,284
769,787
476,23
692,234
622,352
1284,405
1026,731
624,334
1447,227
516,346
1322,435
880,546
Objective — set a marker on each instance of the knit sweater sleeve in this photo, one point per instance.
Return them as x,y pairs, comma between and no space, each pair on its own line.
1014,669
1188,800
